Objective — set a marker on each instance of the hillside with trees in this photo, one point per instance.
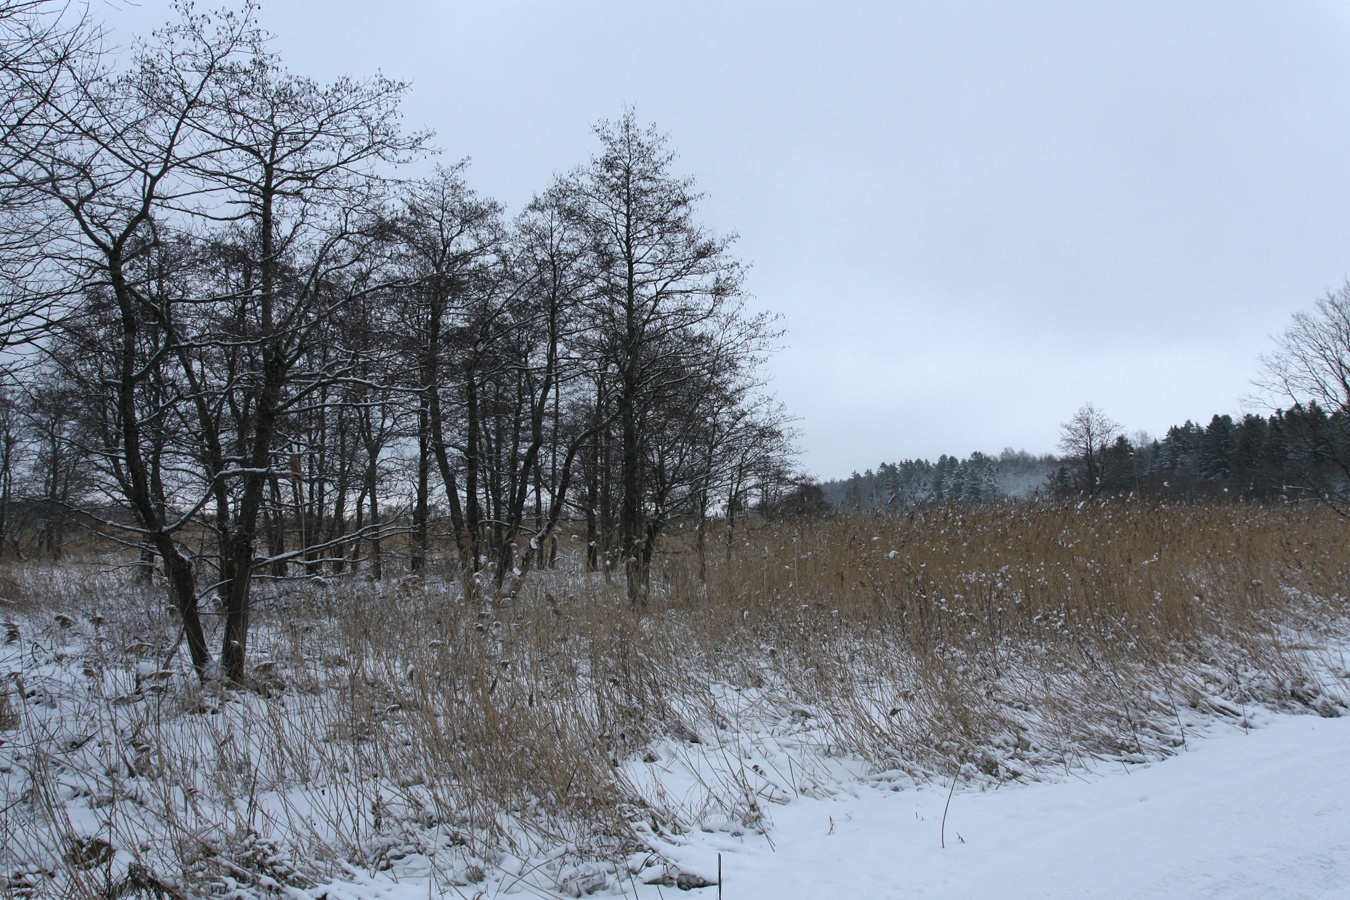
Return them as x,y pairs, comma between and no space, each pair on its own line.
979,478
1290,454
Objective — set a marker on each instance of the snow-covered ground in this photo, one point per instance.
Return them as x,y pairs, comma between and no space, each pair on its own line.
1256,813
115,774
1260,813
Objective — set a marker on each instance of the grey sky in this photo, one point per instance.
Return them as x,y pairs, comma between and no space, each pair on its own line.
973,216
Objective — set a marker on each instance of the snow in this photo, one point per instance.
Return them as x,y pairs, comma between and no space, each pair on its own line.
1258,813
1253,800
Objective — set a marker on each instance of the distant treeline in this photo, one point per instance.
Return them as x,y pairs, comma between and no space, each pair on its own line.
1292,453
979,478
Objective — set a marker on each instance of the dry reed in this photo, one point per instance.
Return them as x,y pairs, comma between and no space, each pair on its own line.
394,726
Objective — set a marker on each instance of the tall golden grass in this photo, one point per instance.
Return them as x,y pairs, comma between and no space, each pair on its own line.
393,719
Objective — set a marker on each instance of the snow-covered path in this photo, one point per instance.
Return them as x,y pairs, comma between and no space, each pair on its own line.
1264,813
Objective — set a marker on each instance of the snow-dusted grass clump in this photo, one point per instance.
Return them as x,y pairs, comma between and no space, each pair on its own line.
559,742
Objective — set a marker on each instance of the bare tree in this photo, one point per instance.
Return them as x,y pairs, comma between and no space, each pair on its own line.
47,50
660,280
293,165
1311,362
1084,439
449,240
1310,369
10,438
550,371
58,470
218,215
112,177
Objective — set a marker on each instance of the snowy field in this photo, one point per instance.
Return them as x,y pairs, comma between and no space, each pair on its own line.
1256,813
1263,813
1251,805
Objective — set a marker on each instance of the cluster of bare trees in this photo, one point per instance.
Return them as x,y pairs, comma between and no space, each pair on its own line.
266,354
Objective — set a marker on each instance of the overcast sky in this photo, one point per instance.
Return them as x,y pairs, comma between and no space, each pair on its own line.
973,217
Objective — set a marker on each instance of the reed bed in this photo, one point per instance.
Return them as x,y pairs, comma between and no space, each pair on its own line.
556,740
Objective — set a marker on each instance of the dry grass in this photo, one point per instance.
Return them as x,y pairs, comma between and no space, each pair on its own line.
963,621
393,726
